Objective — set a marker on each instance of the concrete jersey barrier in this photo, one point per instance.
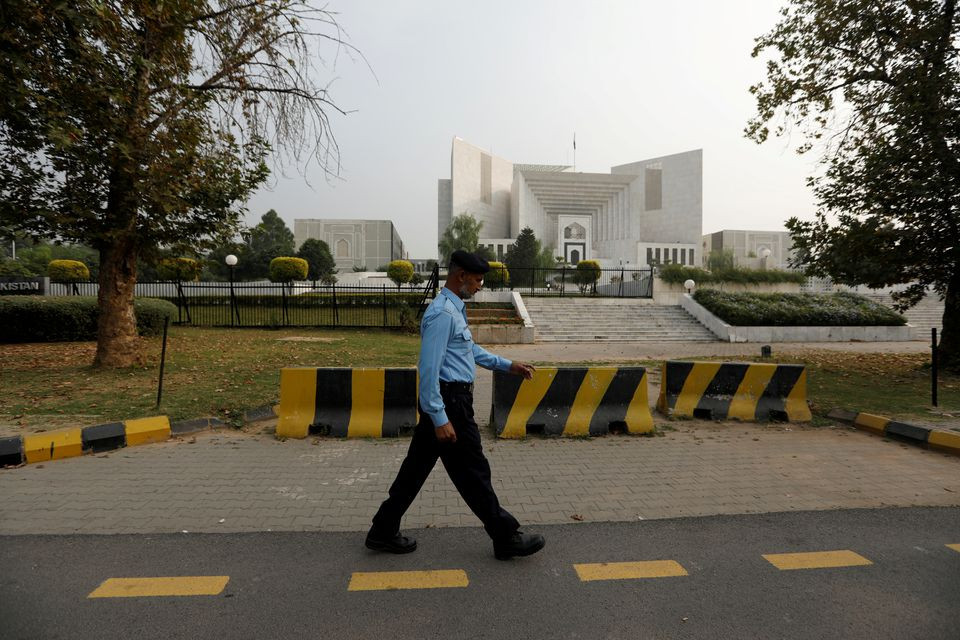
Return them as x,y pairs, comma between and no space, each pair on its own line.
571,401
734,390
351,403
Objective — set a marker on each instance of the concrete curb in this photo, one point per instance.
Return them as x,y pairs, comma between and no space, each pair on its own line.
944,440
110,436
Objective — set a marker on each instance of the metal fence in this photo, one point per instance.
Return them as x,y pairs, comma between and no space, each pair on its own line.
306,304
269,304
570,281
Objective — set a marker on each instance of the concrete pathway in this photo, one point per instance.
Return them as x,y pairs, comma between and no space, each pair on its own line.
233,482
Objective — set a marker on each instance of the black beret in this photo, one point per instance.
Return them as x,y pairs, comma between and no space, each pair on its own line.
469,262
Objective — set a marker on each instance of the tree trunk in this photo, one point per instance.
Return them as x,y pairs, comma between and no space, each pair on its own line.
118,344
949,349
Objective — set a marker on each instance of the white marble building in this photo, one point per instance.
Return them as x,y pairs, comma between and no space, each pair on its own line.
647,212
748,248
355,244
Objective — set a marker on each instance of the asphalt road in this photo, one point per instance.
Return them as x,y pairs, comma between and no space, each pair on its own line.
293,585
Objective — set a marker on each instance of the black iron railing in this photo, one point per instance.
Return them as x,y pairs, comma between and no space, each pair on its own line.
621,282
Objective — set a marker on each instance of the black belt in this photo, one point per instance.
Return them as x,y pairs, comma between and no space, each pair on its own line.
456,387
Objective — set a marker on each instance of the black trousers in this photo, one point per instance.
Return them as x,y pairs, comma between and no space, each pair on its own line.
464,462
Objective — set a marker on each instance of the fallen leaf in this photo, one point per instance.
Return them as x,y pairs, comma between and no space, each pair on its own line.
577,517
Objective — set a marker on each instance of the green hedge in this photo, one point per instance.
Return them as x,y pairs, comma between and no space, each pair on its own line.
678,274
394,299
796,309
69,319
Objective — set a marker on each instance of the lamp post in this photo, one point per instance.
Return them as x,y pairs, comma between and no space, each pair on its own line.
689,284
231,261
765,254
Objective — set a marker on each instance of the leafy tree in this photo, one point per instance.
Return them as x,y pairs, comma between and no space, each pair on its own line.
68,271
400,271
587,274
270,239
133,125
463,232
317,254
288,269
721,261
524,257
14,268
179,269
36,257
498,276
873,85
417,279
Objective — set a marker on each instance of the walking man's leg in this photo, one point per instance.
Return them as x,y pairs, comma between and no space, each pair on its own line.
469,470
416,467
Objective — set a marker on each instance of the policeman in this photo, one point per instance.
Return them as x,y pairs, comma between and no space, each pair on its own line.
447,430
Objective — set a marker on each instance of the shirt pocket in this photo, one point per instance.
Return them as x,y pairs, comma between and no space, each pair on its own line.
462,340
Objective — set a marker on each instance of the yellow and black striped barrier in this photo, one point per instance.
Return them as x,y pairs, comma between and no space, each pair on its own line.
571,401
69,443
351,403
734,390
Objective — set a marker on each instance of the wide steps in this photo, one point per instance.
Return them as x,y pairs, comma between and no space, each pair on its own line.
601,320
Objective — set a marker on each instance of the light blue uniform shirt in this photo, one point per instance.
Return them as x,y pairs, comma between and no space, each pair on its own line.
448,353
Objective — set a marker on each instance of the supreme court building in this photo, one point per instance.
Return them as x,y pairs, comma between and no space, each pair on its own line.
643,213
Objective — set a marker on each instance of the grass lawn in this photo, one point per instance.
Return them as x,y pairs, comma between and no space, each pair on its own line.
223,372
218,372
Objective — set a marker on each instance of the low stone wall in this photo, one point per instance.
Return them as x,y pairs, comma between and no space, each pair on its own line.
670,293
504,333
730,333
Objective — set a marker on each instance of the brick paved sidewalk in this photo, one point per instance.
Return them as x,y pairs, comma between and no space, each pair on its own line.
229,481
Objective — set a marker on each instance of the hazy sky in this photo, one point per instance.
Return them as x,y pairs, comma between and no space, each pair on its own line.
633,79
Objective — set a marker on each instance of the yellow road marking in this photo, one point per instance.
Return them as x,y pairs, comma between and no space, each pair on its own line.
528,398
696,383
298,401
389,580
157,587
366,412
743,406
955,547
816,560
588,398
629,570
638,416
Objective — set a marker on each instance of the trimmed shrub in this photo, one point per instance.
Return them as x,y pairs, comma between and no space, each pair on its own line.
68,271
14,268
400,271
179,269
498,276
70,319
587,273
286,269
796,309
678,274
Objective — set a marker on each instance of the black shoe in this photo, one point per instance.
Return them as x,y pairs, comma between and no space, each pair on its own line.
519,544
394,544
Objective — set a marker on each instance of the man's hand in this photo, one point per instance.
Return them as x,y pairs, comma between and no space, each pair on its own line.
445,433
522,369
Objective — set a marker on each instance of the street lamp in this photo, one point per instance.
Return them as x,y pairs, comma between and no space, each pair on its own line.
765,254
689,284
231,261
